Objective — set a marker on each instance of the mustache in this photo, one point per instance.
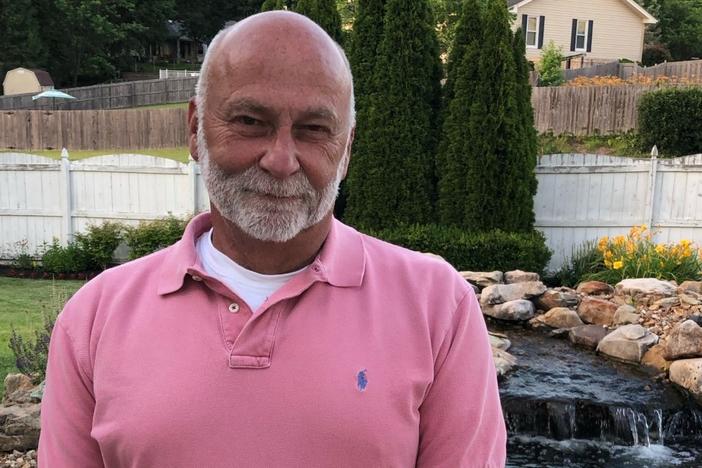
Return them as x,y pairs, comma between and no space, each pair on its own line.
256,180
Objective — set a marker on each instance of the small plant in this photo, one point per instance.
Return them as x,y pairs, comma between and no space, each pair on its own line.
549,67
58,259
636,255
583,260
99,243
31,357
151,236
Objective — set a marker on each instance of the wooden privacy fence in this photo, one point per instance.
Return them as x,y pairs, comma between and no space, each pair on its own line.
110,96
124,129
690,70
579,198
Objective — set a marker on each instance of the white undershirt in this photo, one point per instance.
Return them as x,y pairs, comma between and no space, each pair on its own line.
254,288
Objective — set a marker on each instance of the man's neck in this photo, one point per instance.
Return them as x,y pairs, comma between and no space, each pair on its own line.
268,257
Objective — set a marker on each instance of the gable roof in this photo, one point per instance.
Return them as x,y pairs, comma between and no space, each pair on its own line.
647,17
43,77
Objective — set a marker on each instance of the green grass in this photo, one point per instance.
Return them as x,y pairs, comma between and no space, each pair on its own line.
22,303
180,154
625,144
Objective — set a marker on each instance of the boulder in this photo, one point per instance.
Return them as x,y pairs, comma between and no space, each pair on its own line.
595,288
666,303
19,427
628,343
689,299
597,311
499,293
560,317
519,276
499,341
690,286
558,297
655,360
688,374
588,336
645,286
626,315
684,341
518,310
18,389
482,279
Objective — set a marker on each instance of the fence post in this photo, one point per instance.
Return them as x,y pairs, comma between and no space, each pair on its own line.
66,195
652,176
192,174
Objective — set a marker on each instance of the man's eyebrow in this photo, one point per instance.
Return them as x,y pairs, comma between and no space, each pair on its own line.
247,105
320,113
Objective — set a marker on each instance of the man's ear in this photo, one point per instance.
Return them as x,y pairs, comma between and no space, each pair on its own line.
192,128
348,152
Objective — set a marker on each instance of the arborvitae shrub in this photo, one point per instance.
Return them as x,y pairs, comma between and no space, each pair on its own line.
671,119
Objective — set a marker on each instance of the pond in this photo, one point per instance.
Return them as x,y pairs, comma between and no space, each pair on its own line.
567,407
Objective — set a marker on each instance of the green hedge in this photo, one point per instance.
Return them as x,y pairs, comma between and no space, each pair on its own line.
474,251
150,236
670,119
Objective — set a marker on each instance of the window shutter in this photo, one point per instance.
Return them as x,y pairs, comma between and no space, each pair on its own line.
524,26
589,35
573,31
542,22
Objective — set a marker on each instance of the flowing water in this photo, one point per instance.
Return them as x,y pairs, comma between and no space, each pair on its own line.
566,407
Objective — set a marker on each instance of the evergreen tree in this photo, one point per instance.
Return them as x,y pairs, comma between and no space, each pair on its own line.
270,5
391,179
22,44
459,92
492,127
324,13
525,152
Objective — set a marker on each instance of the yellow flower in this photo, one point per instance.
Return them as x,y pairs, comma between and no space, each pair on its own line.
608,263
660,248
630,247
618,265
602,244
619,241
608,255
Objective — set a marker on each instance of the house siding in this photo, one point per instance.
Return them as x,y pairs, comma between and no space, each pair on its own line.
617,33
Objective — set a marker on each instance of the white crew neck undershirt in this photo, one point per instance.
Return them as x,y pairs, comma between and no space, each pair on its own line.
254,288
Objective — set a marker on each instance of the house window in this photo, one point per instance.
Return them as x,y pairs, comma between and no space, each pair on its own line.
581,35
532,31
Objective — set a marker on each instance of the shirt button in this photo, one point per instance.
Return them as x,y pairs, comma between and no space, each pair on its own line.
233,307
316,268
197,278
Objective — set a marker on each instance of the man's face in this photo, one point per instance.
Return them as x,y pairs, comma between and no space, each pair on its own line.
274,136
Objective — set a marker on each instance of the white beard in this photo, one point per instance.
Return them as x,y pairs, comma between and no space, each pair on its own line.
249,199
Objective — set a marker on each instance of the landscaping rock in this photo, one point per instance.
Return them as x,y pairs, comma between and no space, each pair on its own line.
597,311
689,299
628,343
19,427
519,276
499,341
625,315
500,293
667,303
690,286
558,297
518,310
645,286
482,279
595,288
688,374
18,389
588,336
685,341
655,360
504,362
560,317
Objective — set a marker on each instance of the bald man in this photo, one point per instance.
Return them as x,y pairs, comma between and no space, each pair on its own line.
271,334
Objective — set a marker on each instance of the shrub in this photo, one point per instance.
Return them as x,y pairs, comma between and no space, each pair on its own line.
151,236
549,68
636,255
474,251
99,243
59,259
670,119
31,357
654,54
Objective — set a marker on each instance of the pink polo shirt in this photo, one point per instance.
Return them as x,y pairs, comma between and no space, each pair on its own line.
375,356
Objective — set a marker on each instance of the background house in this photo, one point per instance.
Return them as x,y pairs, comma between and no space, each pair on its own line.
23,80
178,47
595,31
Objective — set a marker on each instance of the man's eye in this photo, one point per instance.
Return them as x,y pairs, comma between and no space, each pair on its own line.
316,128
246,120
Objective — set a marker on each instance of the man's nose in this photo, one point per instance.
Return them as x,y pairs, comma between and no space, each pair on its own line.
280,160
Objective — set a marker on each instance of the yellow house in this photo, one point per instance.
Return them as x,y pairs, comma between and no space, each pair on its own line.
24,80
596,31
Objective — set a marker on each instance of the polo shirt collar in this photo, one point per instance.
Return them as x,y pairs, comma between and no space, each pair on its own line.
340,262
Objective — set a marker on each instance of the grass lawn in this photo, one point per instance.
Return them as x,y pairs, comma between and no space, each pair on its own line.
180,154
22,303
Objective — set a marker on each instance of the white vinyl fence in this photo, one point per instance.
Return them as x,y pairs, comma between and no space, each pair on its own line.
580,197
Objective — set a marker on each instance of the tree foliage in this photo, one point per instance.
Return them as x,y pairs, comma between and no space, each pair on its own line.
391,179
324,13
202,20
549,67
679,27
